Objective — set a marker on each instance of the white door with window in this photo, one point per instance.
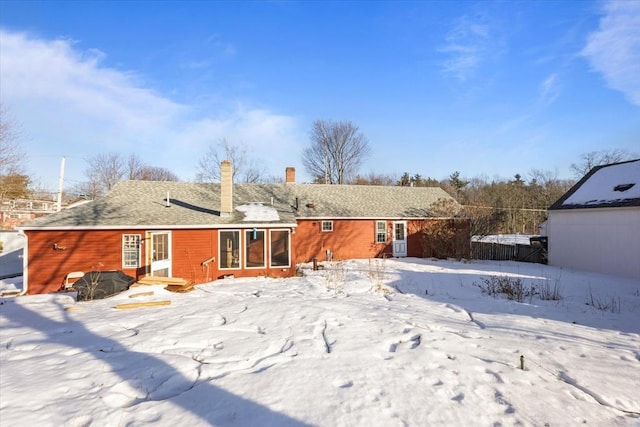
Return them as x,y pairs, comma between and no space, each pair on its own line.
159,253
400,239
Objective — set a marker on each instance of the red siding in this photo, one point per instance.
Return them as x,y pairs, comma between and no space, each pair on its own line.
77,250
353,238
102,250
190,248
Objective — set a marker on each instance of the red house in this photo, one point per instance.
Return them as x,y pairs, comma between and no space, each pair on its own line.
201,232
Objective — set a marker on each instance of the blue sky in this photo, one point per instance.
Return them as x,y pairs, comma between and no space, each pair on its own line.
486,88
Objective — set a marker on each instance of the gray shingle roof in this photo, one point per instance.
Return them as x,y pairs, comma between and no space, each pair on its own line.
364,201
196,205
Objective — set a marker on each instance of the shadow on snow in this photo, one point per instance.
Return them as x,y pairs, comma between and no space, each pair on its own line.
214,405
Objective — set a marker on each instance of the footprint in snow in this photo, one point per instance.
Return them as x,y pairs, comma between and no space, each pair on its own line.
414,340
458,398
341,383
502,401
218,320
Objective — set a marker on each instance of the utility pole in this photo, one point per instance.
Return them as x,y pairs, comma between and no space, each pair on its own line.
60,184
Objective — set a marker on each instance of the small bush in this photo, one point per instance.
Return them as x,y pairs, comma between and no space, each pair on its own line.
513,289
549,293
611,305
377,271
336,276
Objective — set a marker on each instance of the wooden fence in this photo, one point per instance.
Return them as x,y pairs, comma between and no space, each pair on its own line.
502,252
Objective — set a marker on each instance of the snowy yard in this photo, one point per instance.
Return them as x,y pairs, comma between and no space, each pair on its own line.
358,343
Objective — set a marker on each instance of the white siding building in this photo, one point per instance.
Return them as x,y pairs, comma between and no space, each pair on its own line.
595,226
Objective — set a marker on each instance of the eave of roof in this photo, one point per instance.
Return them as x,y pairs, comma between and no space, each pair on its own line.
165,227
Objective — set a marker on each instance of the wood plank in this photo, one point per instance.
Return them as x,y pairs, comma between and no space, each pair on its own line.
164,280
141,304
141,294
180,288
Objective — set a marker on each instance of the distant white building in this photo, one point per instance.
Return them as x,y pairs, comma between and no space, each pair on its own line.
595,226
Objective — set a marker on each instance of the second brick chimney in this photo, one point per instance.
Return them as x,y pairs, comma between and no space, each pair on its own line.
290,175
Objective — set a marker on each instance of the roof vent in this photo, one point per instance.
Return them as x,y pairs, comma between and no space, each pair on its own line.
623,187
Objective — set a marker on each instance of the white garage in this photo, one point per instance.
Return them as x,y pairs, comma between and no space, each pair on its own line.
595,226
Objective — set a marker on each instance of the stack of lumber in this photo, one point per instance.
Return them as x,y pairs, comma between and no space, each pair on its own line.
173,284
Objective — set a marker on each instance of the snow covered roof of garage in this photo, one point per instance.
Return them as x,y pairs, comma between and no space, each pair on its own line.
613,185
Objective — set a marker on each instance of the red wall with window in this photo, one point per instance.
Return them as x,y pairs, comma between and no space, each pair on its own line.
350,238
196,255
53,254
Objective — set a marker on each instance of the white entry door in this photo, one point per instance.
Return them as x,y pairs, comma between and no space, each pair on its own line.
400,239
160,254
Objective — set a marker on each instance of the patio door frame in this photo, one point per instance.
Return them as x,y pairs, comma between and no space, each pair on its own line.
399,239
163,262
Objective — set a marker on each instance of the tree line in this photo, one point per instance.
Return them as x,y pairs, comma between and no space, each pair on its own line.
336,151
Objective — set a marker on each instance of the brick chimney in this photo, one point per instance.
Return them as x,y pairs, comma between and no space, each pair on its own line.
226,188
290,175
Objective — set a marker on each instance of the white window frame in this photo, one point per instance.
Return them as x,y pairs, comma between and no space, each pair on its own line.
326,226
288,248
264,248
382,233
222,261
128,247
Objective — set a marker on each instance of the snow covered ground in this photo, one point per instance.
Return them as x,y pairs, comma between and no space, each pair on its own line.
358,343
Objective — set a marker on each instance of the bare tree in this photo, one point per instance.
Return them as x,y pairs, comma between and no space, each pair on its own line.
12,157
244,168
85,190
153,173
336,152
373,178
134,167
14,183
545,187
106,169
597,158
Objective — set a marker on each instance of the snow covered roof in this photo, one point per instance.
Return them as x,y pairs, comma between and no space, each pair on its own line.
257,212
614,185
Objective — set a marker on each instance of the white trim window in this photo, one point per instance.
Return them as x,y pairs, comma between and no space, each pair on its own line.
381,231
280,241
229,249
255,245
326,226
131,250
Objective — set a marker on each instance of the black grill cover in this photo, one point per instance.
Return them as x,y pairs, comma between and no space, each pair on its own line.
102,284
